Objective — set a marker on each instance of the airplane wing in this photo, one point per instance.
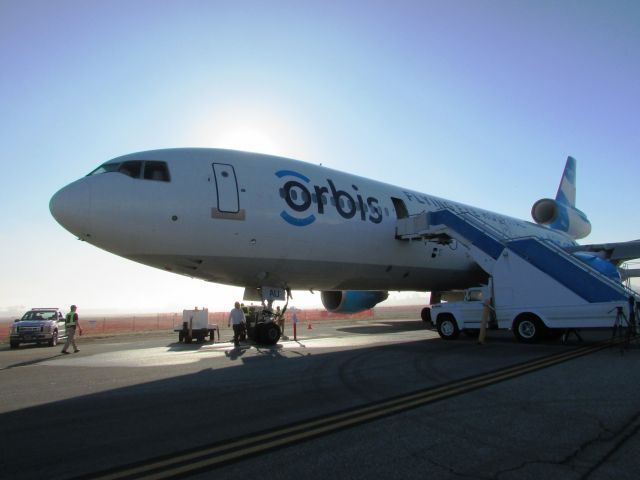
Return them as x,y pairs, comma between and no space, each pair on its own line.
617,253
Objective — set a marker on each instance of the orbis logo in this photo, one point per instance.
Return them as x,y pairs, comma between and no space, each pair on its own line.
307,200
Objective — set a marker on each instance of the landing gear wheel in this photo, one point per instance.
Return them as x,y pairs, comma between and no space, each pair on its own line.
180,337
268,333
447,327
54,340
425,314
528,329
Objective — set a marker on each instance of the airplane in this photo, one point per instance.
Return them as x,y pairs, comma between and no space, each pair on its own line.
253,220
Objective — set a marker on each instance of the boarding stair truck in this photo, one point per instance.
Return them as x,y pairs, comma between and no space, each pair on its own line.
537,286
195,325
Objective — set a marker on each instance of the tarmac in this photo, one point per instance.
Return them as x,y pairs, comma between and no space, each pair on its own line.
365,399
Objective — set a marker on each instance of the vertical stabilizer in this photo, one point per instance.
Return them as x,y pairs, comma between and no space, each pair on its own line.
561,214
567,190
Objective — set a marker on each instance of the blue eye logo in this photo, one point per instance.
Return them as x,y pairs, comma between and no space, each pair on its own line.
298,198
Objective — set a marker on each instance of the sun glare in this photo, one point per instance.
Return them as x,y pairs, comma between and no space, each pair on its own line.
247,139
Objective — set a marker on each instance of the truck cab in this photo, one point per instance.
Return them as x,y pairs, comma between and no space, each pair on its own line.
451,318
38,325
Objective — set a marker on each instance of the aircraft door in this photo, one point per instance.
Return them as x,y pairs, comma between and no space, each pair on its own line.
226,188
400,208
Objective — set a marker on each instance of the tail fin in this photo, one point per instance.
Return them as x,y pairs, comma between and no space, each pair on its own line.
567,190
561,214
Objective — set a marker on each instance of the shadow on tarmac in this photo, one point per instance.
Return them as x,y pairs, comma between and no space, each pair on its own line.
158,417
386,327
33,362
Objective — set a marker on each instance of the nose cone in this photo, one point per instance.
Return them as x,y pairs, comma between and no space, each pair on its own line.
71,207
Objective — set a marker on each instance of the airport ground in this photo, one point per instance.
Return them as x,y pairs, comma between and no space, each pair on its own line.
350,399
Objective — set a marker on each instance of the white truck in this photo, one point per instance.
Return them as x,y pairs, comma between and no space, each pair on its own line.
451,318
529,323
40,326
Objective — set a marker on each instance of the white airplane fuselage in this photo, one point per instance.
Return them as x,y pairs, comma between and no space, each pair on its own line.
250,220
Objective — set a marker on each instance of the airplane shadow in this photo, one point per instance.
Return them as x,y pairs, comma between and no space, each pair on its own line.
194,346
387,327
33,362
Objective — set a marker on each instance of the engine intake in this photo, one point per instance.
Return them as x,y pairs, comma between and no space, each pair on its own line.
561,217
351,301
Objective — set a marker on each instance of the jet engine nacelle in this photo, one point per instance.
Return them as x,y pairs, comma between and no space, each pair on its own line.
561,217
602,265
351,301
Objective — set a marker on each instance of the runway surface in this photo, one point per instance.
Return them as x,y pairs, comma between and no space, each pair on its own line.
362,400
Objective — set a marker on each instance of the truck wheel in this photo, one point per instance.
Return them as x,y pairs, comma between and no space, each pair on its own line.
269,334
447,326
14,344
528,328
54,340
425,314
180,337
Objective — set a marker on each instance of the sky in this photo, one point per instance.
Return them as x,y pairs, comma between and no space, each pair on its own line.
475,101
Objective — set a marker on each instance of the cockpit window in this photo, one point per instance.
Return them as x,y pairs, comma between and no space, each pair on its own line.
156,171
132,168
105,168
153,170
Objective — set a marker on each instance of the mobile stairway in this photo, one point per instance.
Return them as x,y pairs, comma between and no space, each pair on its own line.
536,285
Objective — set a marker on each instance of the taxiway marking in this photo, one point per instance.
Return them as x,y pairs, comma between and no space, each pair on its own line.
205,458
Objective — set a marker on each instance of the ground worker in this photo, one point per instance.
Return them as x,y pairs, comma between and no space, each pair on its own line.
71,322
238,320
280,320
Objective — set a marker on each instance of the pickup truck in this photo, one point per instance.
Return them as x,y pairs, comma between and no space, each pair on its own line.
38,325
451,318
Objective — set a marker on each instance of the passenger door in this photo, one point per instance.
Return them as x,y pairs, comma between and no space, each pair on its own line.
226,188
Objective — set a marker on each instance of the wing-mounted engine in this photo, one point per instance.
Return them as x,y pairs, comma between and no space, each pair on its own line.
602,265
561,217
561,214
351,301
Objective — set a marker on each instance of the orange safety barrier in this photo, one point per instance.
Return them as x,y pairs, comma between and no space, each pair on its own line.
96,325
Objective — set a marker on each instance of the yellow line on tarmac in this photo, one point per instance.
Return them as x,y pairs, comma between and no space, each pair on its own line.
209,457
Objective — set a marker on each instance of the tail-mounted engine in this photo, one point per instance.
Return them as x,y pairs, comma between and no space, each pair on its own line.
561,214
561,217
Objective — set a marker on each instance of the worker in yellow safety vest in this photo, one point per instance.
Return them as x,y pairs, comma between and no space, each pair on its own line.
71,323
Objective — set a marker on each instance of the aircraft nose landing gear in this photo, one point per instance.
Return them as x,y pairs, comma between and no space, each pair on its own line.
262,328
